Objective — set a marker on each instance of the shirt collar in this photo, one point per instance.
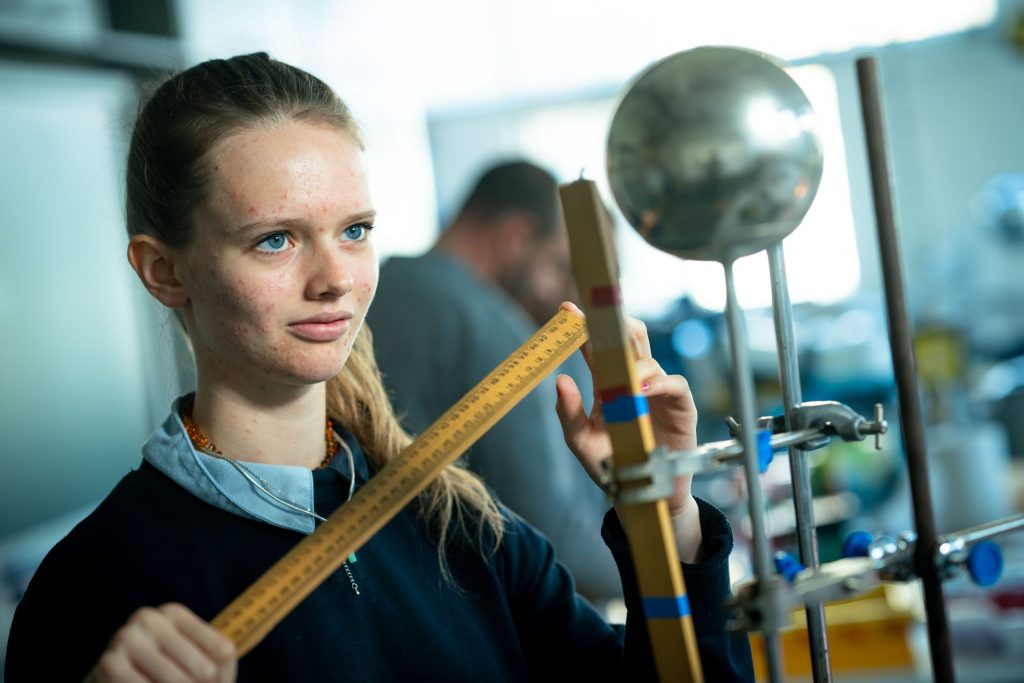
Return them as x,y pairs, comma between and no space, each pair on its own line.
219,483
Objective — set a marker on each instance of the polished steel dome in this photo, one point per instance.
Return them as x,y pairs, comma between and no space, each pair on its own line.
713,153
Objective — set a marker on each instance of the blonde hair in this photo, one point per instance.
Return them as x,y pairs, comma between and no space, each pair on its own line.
167,178
457,499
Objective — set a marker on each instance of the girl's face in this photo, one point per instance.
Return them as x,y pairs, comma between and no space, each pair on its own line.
281,268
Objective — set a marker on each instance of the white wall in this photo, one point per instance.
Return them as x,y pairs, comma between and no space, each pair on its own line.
82,364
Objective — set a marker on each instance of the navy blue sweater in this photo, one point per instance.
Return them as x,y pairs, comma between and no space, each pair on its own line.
511,616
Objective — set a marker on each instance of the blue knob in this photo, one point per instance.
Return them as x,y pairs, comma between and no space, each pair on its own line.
856,544
787,565
985,563
764,450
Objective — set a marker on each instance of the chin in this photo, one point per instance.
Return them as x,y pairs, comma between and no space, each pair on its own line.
303,364
312,372
307,377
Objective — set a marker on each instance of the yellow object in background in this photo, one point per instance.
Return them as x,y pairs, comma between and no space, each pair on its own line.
941,354
864,634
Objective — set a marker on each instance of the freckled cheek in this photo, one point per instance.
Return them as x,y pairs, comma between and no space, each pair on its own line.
251,305
366,283
268,304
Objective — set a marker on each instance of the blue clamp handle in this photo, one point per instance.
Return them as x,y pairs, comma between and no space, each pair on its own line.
857,544
787,565
764,450
985,563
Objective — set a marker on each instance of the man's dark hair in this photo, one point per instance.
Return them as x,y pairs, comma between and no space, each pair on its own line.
516,186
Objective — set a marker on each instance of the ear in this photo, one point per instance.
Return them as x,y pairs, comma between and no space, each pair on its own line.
153,262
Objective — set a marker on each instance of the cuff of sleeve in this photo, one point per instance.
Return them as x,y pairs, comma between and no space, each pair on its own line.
716,538
707,582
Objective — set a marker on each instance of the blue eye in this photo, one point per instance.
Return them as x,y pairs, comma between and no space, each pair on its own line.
357,232
273,243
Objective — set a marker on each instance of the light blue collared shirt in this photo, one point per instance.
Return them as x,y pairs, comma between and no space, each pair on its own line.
219,483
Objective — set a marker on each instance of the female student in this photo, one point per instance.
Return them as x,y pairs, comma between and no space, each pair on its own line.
250,216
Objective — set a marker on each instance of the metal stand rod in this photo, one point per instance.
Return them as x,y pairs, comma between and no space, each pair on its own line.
803,497
743,393
986,531
900,342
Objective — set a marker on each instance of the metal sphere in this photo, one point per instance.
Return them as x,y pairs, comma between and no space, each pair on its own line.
713,154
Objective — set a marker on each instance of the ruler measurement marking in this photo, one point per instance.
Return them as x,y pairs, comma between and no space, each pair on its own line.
261,606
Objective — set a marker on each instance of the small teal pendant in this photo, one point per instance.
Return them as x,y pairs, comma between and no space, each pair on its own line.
352,558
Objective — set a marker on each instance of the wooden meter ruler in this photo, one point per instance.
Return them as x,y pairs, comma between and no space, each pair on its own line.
648,526
257,610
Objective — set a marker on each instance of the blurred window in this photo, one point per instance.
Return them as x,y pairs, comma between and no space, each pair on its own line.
569,137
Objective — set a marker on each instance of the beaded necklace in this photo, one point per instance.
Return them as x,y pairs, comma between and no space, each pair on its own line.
202,443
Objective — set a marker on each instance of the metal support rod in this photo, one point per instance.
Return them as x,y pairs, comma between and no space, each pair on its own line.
901,345
986,531
743,398
803,497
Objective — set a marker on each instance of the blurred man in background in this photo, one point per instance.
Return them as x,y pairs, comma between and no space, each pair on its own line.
445,319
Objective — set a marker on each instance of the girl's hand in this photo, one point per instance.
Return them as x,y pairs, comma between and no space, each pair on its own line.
673,418
167,643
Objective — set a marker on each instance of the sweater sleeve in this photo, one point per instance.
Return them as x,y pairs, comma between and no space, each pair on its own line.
564,638
63,623
561,635
724,656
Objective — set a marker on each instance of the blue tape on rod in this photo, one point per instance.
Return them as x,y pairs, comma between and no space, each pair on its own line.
667,607
624,409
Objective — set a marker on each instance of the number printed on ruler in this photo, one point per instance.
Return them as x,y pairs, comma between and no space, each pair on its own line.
260,607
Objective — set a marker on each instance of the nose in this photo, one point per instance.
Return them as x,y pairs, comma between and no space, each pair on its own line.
329,276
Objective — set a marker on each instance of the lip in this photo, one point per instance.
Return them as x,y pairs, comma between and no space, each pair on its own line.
323,327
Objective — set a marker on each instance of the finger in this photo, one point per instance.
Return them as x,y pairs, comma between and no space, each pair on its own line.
142,645
588,357
585,349
189,657
114,665
155,666
230,671
157,649
638,339
636,333
569,407
212,642
648,368
667,385
572,308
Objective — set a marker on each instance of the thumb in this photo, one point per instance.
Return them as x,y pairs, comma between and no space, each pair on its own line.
569,406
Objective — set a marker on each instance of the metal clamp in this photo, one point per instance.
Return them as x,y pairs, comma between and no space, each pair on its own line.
816,422
762,605
894,556
830,418
970,550
758,605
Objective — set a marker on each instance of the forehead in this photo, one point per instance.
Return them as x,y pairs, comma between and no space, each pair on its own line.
287,167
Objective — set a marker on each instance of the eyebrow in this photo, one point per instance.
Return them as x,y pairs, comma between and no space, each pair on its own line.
361,217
